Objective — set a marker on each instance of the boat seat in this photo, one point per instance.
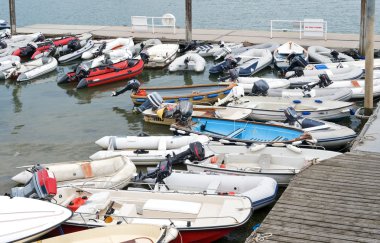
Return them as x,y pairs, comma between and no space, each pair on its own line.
159,208
265,160
96,202
128,211
213,187
235,133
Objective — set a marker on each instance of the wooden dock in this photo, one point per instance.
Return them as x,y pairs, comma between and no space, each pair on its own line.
337,200
334,40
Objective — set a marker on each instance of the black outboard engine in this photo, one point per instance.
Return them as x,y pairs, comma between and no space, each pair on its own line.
260,88
297,62
231,63
82,71
335,55
74,45
144,56
324,80
154,101
354,53
187,46
40,38
3,44
100,49
42,185
28,50
183,112
291,116
195,151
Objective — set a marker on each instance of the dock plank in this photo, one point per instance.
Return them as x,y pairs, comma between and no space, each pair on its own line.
336,200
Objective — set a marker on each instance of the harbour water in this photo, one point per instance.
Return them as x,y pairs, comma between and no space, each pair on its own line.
341,16
41,122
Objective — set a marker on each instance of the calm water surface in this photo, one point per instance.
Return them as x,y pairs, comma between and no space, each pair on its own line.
41,122
341,16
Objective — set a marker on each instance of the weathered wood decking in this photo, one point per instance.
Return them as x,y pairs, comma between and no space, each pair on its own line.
334,40
334,201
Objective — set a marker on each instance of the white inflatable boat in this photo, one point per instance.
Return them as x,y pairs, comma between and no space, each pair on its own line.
126,43
161,55
281,54
322,54
188,61
115,172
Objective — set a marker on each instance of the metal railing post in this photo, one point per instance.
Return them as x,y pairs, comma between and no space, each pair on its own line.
271,27
300,23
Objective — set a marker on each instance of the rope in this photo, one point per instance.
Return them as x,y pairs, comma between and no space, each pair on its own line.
258,237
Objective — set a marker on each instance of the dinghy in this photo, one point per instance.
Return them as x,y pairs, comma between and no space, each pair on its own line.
279,163
126,43
247,132
248,62
9,43
76,53
260,190
360,64
26,219
148,142
287,51
33,50
327,134
299,78
342,94
188,61
146,150
197,217
115,172
249,84
112,73
98,66
197,94
145,45
159,56
208,50
223,52
166,115
4,24
136,233
322,54
30,70
8,62
272,108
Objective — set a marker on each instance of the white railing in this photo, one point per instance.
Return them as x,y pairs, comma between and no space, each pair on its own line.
143,23
306,27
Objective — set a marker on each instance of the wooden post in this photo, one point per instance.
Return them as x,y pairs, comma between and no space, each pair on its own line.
12,15
362,27
189,28
369,39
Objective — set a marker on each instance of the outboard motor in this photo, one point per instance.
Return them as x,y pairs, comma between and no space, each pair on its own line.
183,112
291,116
195,151
231,62
100,49
187,46
42,185
82,71
297,62
74,45
354,53
154,101
324,80
260,88
144,56
29,50
40,38
335,55
3,44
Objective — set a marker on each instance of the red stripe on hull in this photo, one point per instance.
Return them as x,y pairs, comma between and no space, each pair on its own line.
184,236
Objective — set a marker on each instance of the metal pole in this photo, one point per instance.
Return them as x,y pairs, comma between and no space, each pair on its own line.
362,27
369,39
188,21
12,15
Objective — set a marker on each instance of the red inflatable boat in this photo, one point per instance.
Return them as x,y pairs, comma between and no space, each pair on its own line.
104,74
34,49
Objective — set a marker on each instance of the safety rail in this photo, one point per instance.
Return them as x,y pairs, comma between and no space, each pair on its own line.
306,27
143,23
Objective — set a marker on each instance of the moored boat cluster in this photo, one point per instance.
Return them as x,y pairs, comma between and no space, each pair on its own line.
240,139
